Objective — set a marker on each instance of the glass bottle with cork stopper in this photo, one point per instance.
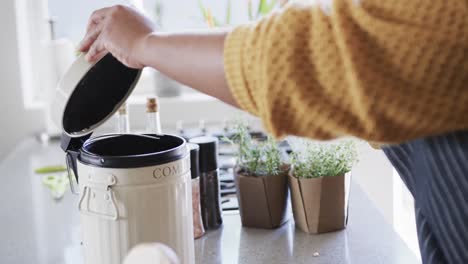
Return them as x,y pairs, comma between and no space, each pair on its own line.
123,123
153,122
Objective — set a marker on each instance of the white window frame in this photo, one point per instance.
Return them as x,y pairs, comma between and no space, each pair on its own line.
32,32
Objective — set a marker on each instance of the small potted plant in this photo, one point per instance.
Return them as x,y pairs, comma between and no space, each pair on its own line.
319,182
261,181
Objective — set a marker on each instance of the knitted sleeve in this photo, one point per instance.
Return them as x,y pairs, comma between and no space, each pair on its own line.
384,71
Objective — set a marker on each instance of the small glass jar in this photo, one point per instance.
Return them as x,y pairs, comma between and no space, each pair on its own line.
198,229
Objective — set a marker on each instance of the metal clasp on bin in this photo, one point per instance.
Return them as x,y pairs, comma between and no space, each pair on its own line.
89,194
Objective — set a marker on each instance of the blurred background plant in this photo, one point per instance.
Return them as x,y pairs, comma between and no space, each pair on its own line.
254,12
159,13
264,7
311,159
213,21
55,179
256,158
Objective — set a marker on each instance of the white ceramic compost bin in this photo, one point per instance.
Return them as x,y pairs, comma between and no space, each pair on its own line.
132,188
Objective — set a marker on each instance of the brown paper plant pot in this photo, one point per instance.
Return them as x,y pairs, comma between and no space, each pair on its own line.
319,205
262,200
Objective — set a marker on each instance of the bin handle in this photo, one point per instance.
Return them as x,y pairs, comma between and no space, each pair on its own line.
71,171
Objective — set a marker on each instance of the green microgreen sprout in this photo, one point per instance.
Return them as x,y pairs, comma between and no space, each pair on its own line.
256,158
318,159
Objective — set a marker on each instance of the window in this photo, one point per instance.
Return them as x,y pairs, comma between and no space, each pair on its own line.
174,15
70,19
72,16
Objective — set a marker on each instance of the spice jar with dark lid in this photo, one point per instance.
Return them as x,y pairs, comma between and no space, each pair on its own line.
209,182
198,229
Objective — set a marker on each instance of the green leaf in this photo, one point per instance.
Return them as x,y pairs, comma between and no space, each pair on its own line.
266,7
271,6
261,7
57,184
249,10
50,169
203,10
216,22
256,159
158,13
228,13
227,140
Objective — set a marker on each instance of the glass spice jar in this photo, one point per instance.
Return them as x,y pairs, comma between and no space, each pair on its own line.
198,229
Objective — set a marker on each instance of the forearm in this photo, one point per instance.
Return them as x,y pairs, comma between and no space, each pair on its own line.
193,58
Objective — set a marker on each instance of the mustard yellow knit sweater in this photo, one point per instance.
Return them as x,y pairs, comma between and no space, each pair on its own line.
382,70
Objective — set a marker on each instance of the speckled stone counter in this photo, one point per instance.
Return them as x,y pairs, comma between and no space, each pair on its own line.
36,229
367,239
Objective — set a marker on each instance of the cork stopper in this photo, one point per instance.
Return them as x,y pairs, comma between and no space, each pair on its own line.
123,109
152,105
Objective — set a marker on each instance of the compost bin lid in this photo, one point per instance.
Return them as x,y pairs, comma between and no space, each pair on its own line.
89,94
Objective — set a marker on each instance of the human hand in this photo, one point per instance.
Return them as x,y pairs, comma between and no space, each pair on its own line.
120,30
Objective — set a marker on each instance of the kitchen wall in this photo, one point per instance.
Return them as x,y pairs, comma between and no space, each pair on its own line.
374,173
16,121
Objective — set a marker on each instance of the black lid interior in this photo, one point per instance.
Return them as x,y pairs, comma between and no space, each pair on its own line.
132,151
100,93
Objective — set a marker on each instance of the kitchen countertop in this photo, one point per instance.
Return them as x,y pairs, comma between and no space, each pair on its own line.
37,229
